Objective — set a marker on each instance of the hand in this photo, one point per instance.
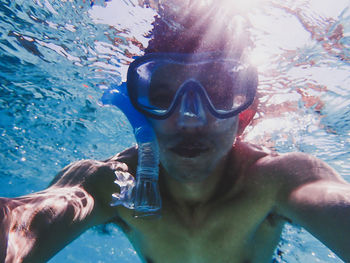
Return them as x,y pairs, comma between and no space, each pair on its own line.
101,180
126,182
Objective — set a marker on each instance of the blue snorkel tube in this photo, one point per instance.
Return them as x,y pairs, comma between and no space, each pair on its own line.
145,195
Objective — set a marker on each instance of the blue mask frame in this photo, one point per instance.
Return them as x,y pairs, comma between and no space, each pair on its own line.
138,82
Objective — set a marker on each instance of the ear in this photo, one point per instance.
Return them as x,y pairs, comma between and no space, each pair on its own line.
246,116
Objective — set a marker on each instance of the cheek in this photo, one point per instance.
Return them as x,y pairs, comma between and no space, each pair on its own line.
223,142
162,127
225,135
226,128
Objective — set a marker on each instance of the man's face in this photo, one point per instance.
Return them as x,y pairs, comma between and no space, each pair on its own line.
189,153
187,98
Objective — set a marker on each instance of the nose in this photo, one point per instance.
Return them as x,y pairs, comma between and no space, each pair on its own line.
191,113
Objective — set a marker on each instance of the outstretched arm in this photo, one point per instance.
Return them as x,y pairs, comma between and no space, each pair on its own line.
4,228
319,200
36,226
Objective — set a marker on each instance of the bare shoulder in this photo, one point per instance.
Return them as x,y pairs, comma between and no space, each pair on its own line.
250,151
277,177
287,172
298,167
282,171
252,158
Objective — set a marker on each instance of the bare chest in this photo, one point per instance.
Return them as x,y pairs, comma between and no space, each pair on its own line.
242,230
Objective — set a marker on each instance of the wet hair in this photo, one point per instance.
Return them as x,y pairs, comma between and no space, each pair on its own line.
188,27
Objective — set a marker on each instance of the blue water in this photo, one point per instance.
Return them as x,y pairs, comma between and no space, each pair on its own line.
56,57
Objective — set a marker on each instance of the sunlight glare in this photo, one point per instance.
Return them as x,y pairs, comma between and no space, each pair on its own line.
242,6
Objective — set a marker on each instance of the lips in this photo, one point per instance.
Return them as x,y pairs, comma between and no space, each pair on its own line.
189,149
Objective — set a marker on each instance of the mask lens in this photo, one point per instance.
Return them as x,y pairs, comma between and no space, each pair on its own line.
156,81
218,79
164,84
219,83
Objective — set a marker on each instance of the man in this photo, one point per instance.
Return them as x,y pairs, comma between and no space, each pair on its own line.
223,200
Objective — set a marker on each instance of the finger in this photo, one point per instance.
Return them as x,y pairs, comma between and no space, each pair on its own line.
124,178
117,166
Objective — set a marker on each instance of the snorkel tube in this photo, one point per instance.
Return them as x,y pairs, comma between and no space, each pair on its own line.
146,197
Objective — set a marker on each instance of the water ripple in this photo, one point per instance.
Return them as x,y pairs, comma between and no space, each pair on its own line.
56,57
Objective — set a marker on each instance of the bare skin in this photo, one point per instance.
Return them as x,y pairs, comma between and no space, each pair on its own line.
238,220
226,204
229,223
241,220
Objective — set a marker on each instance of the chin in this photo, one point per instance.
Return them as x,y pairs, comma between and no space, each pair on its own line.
188,175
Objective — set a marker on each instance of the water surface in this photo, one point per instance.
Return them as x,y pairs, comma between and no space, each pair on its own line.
57,57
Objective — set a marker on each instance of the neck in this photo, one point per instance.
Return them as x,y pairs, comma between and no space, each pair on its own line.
196,192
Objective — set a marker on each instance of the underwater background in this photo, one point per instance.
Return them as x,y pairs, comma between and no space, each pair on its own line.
57,58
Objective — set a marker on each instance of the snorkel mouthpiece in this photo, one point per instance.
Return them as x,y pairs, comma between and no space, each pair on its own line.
191,110
146,200
147,197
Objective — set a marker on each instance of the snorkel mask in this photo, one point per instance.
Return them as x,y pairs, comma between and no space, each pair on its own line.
158,83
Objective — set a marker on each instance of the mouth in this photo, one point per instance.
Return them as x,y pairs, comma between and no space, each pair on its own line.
189,149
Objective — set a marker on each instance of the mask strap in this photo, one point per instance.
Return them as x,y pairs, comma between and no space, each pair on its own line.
246,117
